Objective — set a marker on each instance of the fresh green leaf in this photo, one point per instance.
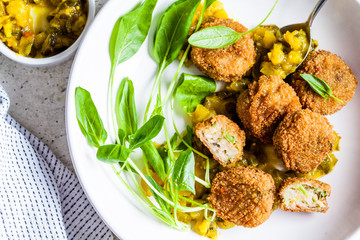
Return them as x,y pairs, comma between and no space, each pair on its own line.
208,3
229,137
172,31
319,86
130,32
113,153
154,158
164,154
163,205
187,138
220,36
192,90
183,176
122,136
147,132
88,118
173,140
214,37
125,108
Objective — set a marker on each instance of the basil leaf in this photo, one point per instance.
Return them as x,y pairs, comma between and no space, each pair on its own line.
113,153
147,132
172,31
214,37
125,108
130,31
184,172
187,138
192,90
220,36
319,86
88,118
154,158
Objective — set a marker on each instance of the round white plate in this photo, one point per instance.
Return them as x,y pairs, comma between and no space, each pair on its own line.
336,28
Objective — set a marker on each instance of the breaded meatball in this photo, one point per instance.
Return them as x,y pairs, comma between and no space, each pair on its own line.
303,195
223,138
262,107
331,69
243,196
229,63
303,140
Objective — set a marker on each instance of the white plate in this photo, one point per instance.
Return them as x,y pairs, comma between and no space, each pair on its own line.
336,28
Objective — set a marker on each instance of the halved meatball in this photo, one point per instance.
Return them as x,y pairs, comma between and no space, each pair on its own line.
303,195
331,69
303,140
262,107
223,138
243,196
229,63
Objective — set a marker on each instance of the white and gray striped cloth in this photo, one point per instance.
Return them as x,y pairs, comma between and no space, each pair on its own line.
39,197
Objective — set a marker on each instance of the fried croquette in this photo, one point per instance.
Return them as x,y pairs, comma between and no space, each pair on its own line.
334,71
223,138
243,196
262,107
229,63
303,140
303,195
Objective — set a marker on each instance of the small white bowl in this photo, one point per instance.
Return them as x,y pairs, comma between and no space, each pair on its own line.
56,59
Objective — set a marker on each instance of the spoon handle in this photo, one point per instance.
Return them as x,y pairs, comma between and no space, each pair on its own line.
317,8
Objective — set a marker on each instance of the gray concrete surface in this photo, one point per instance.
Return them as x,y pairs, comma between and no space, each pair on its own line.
37,100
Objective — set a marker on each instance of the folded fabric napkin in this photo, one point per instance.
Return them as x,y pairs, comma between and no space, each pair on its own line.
39,197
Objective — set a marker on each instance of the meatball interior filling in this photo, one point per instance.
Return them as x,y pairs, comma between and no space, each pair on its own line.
301,196
222,142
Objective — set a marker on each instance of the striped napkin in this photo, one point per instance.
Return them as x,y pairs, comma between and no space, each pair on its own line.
39,197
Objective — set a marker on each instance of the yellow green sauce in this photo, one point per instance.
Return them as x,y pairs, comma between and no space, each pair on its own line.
41,28
280,54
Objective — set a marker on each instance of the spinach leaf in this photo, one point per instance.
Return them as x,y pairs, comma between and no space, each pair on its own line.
192,90
113,153
88,118
125,108
122,136
172,31
154,158
163,205
164,154
214,37
148,131
187,138
130,32
184,172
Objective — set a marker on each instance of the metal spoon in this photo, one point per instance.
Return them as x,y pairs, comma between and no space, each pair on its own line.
306,26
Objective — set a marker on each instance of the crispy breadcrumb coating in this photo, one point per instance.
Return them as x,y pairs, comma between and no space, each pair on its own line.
334,71
303,140
223,138
262,107
226,64
243,196
303,195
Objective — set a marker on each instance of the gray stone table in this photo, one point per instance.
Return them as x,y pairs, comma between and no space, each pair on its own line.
37,100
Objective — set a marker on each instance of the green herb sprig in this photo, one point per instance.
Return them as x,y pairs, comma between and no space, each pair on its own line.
220,36
319,86
178,174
